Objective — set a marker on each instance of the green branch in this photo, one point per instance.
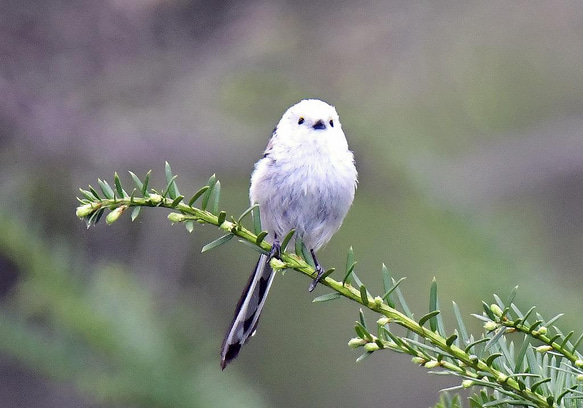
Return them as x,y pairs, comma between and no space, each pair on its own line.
490,361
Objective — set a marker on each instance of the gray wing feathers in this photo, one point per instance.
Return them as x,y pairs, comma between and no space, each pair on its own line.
248,310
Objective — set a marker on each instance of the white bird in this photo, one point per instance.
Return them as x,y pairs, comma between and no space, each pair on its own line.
306,180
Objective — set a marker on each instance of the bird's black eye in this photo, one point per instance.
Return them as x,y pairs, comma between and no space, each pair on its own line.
300,121
331,123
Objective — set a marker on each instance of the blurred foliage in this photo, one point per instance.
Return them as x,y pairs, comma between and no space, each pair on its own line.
106,332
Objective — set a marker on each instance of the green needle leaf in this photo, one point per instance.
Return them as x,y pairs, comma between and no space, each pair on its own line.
207,194
105,189
488,311
449,341
401,298
362,321
298,248
177,201
260,237
428,316
94,193
247,212
256,214
539,383
349,274
287,239
388,286
460,324
135,213
567,338
349,261
189,225
491,358
221,218
392,289
363,356
145,184
475,343
433,304
528,314
577,342
308,256
554,319
95,217
327,297
328,272
217,242
88,195
253,246
501,331
215,197
362,332
197,195
171,188
117,183
137,181
512,295
363,295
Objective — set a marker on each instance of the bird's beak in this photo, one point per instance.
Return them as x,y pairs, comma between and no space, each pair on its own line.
319,125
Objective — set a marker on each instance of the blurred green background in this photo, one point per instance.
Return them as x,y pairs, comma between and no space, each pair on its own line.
466,122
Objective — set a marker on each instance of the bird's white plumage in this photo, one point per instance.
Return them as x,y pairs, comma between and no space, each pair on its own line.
307,178
305,181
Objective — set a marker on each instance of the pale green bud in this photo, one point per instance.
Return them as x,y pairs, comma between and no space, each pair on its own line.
356,342
489,326
418,360
502,378
175,217
467,383
155,198
579,363
371,347
494,308
543,348
432,364
541,330
579,377
378,300
277,264
84,210
114,215
383,321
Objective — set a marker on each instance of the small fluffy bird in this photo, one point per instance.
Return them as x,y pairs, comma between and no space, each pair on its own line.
305,180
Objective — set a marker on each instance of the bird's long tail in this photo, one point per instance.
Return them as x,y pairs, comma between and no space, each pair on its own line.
248,310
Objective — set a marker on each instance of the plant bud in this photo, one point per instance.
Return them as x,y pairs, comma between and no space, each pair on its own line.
383,321
489,326
155,198
84,210
543,349
175,217
494,308
277,264
541,330
432,364
371,347
356,342
114,215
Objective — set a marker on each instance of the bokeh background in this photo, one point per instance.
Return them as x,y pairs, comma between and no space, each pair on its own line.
467,126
